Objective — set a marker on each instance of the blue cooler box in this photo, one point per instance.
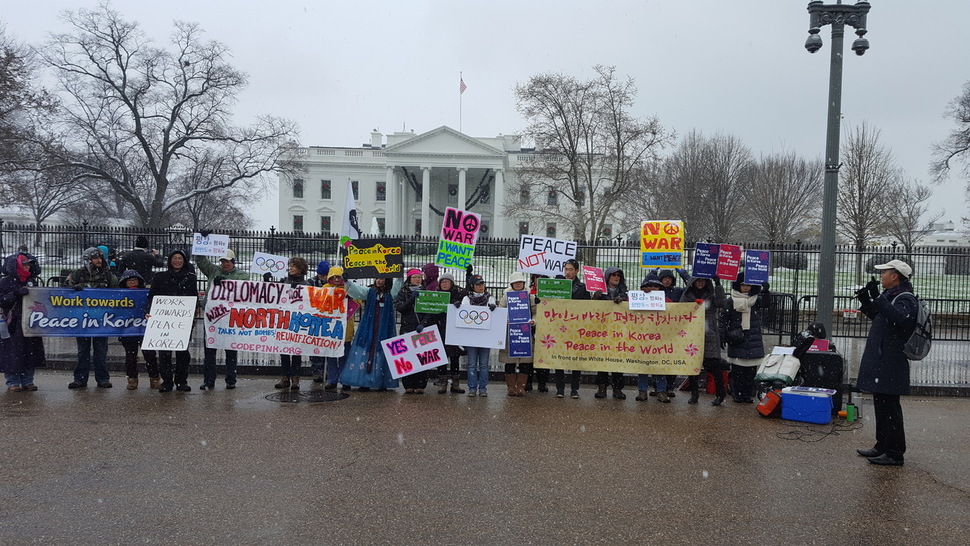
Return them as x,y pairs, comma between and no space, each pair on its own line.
807,404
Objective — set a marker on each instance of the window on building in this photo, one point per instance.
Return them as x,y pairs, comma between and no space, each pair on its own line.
552,199
523,228
417,193
380,225
324,224
608,231
483,230
551,229
580,197
325,189
355,187
297,188
381,192
484,196
417,226
524,195
298,222
452,194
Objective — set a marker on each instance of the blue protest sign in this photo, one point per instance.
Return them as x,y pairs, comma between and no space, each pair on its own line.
705,260
518,305
757,265
520,340
91,312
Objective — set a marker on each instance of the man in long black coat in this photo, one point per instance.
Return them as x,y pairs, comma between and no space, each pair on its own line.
884,370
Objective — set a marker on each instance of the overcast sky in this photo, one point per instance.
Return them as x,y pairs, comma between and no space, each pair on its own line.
341,69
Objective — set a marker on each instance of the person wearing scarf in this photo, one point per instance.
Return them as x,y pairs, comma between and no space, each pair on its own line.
741,332
19,355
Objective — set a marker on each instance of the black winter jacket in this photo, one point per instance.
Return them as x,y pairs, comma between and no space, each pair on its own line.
884,368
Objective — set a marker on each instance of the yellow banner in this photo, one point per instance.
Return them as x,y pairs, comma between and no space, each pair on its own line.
607,337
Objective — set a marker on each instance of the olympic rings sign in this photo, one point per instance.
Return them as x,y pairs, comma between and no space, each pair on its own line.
473,317
269,265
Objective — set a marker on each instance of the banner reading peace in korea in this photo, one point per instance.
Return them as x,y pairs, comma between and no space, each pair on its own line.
607,337
269,317
91,312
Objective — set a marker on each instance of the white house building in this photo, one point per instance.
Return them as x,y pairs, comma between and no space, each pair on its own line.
389,181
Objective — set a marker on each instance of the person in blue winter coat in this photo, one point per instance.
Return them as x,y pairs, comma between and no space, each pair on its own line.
366,366
741,333
884,370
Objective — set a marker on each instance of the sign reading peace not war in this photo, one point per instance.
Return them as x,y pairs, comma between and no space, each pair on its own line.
459,232
662,243
169,323
91,312
544,255
608,337
276,318
374,258
414,352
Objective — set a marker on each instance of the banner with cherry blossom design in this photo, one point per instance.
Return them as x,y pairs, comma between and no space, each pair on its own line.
607,337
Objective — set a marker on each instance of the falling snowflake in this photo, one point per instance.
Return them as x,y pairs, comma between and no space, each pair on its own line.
548,341
682,333
691,349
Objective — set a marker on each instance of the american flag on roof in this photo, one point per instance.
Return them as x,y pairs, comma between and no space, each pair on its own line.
462,86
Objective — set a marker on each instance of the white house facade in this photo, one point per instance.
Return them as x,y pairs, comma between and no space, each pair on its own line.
389,180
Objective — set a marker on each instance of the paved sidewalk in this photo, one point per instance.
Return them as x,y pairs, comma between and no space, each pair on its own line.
110,466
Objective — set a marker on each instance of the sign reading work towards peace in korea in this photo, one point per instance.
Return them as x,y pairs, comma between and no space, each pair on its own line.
91,312
662,243
544,255
459,233
169,323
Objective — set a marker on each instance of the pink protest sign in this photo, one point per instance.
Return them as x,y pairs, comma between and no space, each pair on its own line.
728,262
461,226
593,277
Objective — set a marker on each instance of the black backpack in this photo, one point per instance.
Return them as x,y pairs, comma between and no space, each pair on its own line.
918,344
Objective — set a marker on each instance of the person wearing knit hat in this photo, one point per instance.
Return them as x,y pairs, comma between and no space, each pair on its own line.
323,267
226,270
517,368
478,357
92,350
661,384
318,364
296,271
451,369
411,321
132,279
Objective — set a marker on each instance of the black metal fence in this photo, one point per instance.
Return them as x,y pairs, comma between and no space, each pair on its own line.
942,275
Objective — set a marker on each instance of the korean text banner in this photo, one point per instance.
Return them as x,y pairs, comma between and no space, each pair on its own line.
459,232
608,337
414,352
544,255
92,312
275,318
374,258
662,243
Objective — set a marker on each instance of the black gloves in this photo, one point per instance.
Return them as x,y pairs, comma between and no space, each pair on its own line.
469,269
537,300
491,307
717,281
216,281
862,295
23,291
598,295
457,304
617,299
293,285
78,287
419,328
267,277
204,232
873,288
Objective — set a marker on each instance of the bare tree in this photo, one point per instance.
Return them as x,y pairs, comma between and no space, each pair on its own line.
955,147
907,220
866,178
782,196
43,192
591,150
139,116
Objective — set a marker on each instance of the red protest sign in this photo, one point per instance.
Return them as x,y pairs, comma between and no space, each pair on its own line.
728,262
593,277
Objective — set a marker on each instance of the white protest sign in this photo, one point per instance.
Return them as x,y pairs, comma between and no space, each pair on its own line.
269,263
169,323
647,301
459,331
210,245
544,255
414,352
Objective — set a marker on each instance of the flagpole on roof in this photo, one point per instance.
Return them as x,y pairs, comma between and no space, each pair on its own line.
461,91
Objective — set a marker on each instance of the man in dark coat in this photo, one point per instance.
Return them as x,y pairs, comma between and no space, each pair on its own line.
19,355
142,259
884,370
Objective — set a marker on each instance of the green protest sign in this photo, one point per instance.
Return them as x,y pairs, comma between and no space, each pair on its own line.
555,289
430,301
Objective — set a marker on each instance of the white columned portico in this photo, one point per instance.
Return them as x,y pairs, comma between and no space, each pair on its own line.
425,201
391,219
498,198
461,187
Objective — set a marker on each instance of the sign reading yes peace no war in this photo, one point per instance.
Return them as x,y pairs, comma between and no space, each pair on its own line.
459,233
662,243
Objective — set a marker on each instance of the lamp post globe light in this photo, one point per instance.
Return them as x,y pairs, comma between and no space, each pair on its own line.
838,16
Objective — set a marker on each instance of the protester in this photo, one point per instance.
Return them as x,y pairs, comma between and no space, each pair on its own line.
541,374
884,370
178,280
296,269
335,364
616,291
741,330
478,357
19,355
450,370
660,383
517,368
366,364
226,270
673,294
404,303
318,363
94,274
579,292
142,259
132,279
712,298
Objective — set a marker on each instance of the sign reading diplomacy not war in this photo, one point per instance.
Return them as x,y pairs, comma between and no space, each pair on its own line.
276,318
91,312
607,337
459,233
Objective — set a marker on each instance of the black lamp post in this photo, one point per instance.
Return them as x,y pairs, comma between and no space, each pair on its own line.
838,15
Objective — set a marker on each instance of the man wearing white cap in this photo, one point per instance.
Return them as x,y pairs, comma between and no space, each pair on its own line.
226,270
884,370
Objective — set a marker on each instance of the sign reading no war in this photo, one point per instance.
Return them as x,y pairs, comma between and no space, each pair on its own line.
459,233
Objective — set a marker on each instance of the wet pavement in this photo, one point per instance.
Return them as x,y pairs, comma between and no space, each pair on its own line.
110,466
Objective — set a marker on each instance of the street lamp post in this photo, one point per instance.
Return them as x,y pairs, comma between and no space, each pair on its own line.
838,15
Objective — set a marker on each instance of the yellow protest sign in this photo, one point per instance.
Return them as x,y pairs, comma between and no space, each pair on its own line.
607,337
662,243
